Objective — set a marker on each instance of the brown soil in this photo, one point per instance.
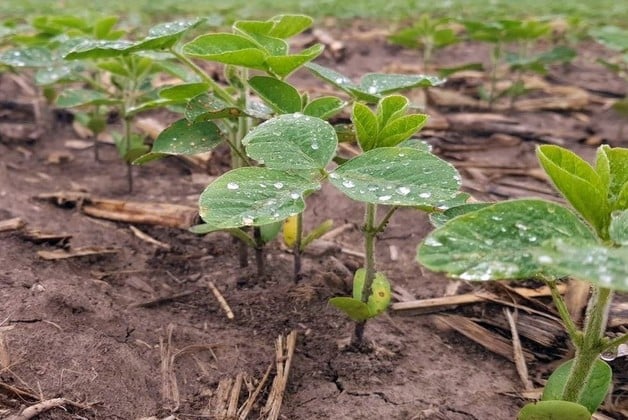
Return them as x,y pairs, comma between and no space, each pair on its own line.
73,329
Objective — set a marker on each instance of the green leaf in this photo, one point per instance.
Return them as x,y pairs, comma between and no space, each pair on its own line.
283,65
185,138
594,392
184,91
612,166
397,176
355,309
292,142
416,144
554,410
438,219
99,48
331,76
585,260
228,49
618,229
499,242
391,107
578,182
286,26
70,98
366,126
27,57
269,232
324,107
380,83
103,27
165,35
358,283
253,196
612,37
379,299
400,129
281,96
208,107
57,74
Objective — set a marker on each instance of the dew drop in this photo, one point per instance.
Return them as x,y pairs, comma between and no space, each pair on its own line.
295,196
384,198
372,90
315,146
247,220
333,175
545,259
278,185
431,241
348,184
403,190
425,195
232,186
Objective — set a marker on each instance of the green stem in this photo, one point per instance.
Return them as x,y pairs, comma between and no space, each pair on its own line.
384,222
370,233
242,236
592,344
615,342
297,248
216,88
574,334
259,252
127,148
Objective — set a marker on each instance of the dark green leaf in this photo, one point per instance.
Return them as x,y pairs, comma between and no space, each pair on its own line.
438,219
618,229
208,107
228,49
324,107
283,65
165,35
27,57
554,410
594,391
397,176
292,142
184,91
269,232
253,196
281,96
98,48
499,242
380,83
185,138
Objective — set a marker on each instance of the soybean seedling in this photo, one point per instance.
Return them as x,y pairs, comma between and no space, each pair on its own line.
426,34
616,39
537,239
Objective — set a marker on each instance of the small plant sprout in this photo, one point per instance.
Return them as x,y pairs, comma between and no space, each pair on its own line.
616,39
391,172
426,34
537,239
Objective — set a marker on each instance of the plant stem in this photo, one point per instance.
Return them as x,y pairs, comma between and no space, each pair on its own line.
574,334
297,248
216,88
259,252
382,225
495,55
370,232
613,343
127,148
592,344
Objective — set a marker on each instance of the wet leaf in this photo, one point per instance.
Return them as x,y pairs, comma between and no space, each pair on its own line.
27,57
612,166
183,91
553,410
612,37
185,138
501,241
99,48
57,74
281,96
286,26
292,142
208,107
324,107
70,98
605,267
165,35
440,218
594,392
253,196
618,229
284,65
381,83
579,183
228,49
397,176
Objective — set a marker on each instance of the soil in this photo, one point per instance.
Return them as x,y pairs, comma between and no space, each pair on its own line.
76,329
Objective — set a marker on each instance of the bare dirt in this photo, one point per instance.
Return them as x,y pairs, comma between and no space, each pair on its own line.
76,328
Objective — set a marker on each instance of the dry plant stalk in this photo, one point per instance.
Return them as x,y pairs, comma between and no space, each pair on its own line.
284,351
520,361
221,300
